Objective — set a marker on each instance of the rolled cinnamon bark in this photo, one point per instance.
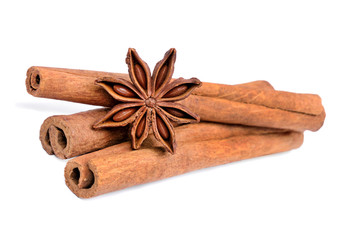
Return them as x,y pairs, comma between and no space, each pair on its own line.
78,85
186,133
238,104
294,102
232,112
67,136
69,84
107,170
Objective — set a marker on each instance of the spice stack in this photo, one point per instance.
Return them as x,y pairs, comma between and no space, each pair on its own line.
159,116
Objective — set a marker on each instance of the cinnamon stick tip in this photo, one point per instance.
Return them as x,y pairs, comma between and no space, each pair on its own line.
33,79
80,180
45,137
59,142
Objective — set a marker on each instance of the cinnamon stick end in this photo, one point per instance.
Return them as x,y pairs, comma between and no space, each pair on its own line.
45,137
33,80
59,142
80,179
319,121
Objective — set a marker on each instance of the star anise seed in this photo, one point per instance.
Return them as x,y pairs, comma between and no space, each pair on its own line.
149,101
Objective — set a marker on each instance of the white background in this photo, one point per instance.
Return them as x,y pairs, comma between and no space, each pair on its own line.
300,46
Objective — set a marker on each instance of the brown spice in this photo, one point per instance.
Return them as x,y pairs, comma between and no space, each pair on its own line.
68,136
294,102
212,102
232,112
143,101
73,134
206,145
69,84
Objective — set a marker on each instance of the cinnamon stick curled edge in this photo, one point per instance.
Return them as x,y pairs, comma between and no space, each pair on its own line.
278,109
200,145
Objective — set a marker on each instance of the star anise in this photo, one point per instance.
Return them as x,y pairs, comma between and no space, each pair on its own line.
149,101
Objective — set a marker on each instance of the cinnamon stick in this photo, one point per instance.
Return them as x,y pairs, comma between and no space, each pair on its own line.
231,112
301,103
69,84
186,133
79,85
67,136
239,104
118,167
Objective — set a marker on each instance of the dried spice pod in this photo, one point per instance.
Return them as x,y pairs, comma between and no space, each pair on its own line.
141,100
163,130
163,71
